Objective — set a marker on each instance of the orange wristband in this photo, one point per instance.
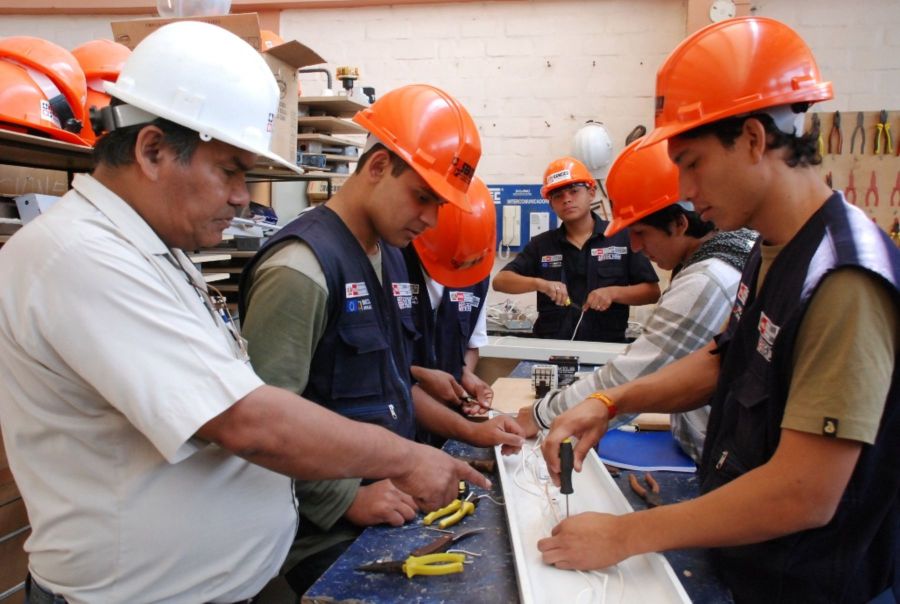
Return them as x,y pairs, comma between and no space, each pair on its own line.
610,405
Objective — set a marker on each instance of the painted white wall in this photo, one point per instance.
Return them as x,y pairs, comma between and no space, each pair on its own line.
532,71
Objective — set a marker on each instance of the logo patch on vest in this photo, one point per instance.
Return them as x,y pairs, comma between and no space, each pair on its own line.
768,331
467,301
743,294
355,290
830,426
358,305
551,261
614,252
403,293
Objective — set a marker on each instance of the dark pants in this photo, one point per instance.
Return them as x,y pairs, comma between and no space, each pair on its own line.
308,570
35,594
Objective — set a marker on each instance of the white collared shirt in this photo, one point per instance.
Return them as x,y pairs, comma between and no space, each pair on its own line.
109,363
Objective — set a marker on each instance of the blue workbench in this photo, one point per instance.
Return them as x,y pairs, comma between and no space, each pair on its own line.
492,578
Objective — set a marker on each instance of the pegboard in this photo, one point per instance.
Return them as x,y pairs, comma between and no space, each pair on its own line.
864,163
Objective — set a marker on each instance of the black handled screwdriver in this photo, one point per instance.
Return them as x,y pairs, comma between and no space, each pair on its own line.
566,462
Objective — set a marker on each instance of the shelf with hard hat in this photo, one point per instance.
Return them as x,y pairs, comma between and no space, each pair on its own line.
19,149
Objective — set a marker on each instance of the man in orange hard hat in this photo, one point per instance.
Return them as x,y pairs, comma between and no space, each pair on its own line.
706,269
450,267
327,307
798,476
585,280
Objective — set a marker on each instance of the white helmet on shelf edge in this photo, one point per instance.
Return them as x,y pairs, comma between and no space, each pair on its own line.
593,147
205,78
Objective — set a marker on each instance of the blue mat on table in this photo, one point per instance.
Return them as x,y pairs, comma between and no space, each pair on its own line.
645,451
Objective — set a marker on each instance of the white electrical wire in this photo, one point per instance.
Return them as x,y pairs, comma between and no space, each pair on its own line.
530,462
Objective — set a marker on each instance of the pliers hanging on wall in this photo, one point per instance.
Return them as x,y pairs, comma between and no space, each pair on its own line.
860,117
817,128
835,139
883,142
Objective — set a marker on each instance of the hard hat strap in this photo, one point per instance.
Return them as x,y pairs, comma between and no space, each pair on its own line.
113,117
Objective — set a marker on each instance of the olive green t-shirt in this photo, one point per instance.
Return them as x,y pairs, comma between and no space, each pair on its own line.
286,319
844,355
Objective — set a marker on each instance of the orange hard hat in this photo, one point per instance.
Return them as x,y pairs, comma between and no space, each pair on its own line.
642,180
24,106
269,39
101,61
432,132
459,250
56,72
563,172
730,68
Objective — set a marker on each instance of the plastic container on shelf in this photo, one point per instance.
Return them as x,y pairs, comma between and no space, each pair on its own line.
192,8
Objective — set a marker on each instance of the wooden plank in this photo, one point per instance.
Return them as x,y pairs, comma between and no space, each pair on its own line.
204,257
339,106
13,561
19,149
318,137
511,394
213,277
330,125
12,517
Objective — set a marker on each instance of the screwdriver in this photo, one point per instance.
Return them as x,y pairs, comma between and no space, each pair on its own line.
566,462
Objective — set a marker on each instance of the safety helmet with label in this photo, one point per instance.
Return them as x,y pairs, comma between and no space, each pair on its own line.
642,180
563,172
459,250
101,61
57,73
205,78
25,108
732,68
593,147
432,132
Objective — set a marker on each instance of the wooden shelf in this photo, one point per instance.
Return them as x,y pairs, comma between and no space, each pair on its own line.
17,149
333,125
338,106
318,137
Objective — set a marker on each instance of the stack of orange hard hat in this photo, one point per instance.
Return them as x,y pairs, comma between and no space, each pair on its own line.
459,250
101,61
42,89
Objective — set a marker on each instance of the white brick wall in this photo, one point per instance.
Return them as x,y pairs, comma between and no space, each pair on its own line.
602,54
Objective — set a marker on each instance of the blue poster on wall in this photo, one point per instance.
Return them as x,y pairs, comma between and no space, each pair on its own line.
521,214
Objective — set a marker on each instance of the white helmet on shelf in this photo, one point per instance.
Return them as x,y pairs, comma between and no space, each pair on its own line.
205,78
593,147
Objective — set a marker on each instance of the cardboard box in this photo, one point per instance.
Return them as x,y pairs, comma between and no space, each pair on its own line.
18,180
284,61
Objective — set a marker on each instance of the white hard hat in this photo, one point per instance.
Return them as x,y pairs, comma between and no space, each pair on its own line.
593,147
205,78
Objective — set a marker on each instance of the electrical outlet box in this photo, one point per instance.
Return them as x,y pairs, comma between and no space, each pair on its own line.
512,225
539,222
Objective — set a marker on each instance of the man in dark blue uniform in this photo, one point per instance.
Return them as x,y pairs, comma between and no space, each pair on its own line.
326,306
585,281
450,267
799,476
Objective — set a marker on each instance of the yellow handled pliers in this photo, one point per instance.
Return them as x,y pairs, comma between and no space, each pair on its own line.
456,511
431,564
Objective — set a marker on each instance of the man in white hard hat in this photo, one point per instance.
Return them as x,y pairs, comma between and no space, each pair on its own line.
153,462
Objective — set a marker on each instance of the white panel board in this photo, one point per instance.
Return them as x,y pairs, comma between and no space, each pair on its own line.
639,579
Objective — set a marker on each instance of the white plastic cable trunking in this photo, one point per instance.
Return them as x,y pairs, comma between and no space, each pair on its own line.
643,579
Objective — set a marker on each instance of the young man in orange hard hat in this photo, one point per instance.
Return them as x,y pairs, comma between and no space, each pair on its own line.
799,476
706,267
450,267
327,308
585,280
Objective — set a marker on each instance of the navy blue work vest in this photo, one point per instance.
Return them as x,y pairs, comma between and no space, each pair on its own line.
855,556
607,266
360,368
444,334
